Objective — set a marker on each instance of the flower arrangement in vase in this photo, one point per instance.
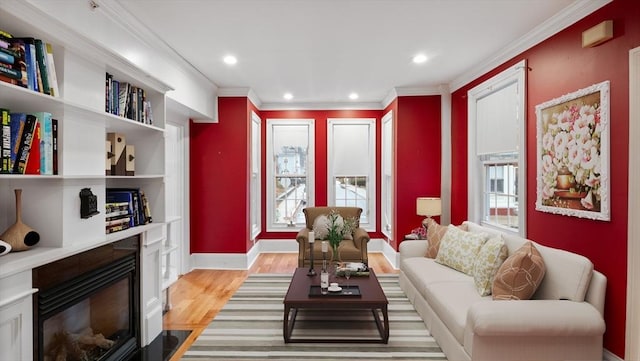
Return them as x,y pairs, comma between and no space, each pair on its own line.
334,228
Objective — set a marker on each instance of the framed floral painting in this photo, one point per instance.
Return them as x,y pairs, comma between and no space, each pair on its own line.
573,154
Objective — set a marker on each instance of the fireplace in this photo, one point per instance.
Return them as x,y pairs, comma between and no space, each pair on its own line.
86,307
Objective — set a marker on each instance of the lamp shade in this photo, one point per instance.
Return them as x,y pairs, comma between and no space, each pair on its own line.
428,206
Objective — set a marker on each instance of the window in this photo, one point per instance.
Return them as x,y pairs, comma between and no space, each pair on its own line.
352,169
289,172
496,157
501,195
255,190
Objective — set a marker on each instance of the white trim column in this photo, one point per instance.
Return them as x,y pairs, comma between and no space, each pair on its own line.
632,338
445,177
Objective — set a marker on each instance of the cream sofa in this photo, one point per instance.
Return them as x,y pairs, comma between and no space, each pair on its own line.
563,320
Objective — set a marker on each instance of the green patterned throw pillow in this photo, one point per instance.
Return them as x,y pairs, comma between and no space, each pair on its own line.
487,262
458,249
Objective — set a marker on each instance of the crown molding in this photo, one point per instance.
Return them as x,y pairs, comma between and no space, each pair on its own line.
122,17
241,92
567,17
322,106
407,92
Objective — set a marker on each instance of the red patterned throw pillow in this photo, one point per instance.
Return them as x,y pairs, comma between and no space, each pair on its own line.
435,232
520,275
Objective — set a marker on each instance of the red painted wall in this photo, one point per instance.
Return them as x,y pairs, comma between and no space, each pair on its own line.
559,66
219,166
418,157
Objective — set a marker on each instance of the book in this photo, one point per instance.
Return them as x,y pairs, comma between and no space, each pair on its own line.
119,196
46,142
24,148
146,208
136,200
7,56
10,72
5,138
41,54
356,269
33,158
117,227
118,221
54,132
17,125
123,98
30,60
20,63
51,71
107,93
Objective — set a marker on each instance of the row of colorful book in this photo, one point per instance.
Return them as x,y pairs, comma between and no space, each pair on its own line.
127,101
125,208
28,62
29,143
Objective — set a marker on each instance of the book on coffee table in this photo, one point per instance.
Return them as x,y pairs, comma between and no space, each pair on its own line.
358,269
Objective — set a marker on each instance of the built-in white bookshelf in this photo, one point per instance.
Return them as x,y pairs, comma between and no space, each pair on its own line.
51,203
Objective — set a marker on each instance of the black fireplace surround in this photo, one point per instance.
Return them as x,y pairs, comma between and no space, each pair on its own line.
87,305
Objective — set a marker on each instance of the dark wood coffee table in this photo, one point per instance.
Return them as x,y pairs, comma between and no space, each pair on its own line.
371,298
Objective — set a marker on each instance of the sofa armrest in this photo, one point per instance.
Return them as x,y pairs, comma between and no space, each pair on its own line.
360,238
533,318
412,248
303,236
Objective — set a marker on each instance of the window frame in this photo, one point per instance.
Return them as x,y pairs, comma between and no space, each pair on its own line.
476,177
371,210
255,188
270,181
387,222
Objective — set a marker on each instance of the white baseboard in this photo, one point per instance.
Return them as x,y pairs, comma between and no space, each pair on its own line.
243,261
609,356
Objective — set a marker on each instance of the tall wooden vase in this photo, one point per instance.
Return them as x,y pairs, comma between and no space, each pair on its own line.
20,236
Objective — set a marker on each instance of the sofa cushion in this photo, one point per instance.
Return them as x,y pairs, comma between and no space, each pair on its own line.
458,249
451,301
486,264
422,271
567,275
520,274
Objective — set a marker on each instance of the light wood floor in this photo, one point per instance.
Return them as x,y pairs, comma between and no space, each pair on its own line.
199,295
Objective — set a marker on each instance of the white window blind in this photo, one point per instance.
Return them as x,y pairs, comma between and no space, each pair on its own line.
351,149
497,117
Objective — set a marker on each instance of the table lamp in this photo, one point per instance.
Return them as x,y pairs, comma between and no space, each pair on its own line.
427,206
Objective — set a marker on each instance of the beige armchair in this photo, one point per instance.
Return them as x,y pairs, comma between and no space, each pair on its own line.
350,250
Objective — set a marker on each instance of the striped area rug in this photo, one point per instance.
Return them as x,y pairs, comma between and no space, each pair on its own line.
249,327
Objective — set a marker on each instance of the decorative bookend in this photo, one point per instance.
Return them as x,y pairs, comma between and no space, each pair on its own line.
88,203
20,236
130,155
118,162
108,159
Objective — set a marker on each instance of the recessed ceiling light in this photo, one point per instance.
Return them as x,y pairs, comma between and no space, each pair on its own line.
419,59
230,59
288,96
353,96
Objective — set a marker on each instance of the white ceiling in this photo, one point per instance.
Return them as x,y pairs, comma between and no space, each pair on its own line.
322,50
